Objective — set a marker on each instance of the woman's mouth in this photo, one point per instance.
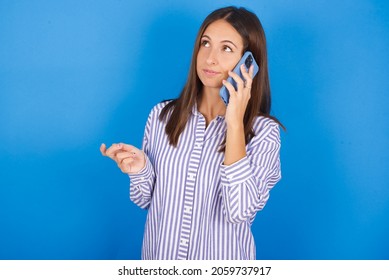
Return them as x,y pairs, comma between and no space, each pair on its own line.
210,73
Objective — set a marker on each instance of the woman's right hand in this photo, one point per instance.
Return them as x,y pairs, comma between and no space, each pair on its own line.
129,159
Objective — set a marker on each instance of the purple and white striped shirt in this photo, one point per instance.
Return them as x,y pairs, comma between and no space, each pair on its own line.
199,208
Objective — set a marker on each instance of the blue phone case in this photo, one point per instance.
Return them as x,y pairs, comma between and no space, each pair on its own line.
247,59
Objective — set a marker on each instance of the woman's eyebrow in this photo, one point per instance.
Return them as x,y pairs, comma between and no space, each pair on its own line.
228,41
224,41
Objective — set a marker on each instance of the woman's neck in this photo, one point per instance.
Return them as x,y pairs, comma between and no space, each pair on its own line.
210,105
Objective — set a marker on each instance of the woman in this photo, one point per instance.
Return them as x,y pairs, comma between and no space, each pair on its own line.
206,169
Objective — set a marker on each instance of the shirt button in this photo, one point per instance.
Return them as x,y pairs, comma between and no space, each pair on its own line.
187,209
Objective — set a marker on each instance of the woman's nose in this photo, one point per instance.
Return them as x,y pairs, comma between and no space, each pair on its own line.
212,57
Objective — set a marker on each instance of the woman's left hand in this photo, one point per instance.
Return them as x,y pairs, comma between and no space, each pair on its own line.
240,97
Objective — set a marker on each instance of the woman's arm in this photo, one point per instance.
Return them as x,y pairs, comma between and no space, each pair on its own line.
246,183
137,165
247,175
239,98
142,182
142,185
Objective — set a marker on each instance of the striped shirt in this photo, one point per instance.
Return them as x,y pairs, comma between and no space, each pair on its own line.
199,208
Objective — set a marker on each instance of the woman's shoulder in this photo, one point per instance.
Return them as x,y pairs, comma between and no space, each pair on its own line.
157,109
265,129
264,123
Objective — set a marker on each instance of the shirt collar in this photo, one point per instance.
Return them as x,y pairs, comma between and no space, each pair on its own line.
195,111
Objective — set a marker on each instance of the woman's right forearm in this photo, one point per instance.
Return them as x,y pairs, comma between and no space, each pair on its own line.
142,185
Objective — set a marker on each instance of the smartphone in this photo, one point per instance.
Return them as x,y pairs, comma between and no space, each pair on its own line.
248,60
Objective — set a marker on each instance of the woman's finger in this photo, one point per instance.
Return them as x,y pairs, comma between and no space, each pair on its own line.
137,153
120,156
238,80
129,148
251,71
230,88
112,151
128,158
247,75
103,149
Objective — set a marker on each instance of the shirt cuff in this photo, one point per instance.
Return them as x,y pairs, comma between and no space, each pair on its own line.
236,173
143,175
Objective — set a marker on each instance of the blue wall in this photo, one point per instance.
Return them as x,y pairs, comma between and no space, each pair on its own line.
74,74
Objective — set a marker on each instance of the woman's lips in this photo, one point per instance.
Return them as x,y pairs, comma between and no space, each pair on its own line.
211,73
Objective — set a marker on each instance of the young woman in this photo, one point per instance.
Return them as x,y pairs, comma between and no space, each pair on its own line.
206,169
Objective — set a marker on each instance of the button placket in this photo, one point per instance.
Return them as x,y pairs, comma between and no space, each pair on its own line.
193,167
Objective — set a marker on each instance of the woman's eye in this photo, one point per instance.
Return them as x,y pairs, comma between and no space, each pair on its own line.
205,43
227,49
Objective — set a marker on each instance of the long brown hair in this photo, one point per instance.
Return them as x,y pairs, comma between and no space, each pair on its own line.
250,28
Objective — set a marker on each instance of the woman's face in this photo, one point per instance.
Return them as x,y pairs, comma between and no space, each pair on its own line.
220,50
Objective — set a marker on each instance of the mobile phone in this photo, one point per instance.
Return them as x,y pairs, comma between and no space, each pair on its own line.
248,60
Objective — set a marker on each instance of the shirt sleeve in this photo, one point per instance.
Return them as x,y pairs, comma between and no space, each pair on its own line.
142,183
246,183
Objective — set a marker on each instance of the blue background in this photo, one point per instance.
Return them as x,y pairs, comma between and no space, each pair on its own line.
74,74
